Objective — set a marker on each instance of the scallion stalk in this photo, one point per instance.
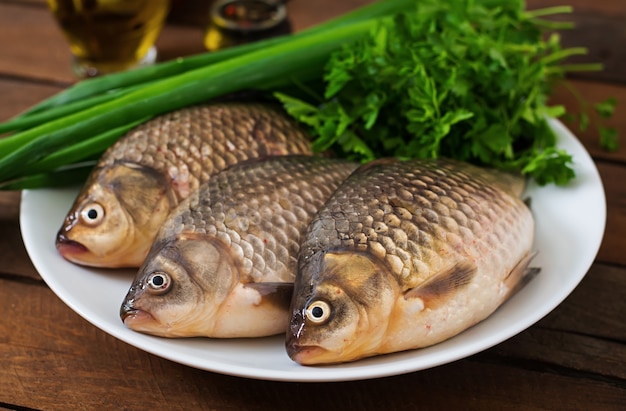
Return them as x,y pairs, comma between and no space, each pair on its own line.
302,58
82,150
118,81
65,176
54,112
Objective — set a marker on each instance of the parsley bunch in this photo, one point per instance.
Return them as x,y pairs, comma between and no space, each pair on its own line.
466,79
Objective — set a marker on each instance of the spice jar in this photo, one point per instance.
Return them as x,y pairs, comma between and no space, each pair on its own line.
234,22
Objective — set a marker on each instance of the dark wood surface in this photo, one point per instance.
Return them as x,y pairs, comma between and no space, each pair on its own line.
52,359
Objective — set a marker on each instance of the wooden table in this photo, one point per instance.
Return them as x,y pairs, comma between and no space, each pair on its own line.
51,358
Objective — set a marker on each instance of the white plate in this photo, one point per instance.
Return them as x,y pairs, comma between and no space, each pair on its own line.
570,226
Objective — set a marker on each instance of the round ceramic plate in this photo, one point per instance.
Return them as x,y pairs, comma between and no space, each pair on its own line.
566,243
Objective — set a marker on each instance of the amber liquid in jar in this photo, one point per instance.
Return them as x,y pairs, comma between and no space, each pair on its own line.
110,35
234,22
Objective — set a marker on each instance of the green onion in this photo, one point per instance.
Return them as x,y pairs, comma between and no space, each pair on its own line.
66,176
302,59
83,150
53,112
117,81
463,79
80,122
466,79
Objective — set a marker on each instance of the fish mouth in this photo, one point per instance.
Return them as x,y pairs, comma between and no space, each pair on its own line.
136,319
304,354
68,248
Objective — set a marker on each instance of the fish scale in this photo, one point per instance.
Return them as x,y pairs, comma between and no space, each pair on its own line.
406,254
152,168
338,228
208,138
212,209
244,228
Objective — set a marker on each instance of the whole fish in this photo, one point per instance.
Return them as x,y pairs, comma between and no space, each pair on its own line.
143,176
405,255
224,262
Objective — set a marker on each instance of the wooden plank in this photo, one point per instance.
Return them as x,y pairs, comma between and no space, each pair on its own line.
302,14
190,12
30,3
611,7
603,40
72,365
179,41
595,307
15,260
23,58
574,93
44,54
9,205
19,95
612,247
551,348
604,37
573,359
599,26
585,333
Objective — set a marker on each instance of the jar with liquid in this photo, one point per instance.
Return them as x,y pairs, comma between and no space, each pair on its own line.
106,36
234,22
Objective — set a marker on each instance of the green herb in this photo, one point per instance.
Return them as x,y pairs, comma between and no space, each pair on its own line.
609,138
608,135
606,108
116,83
61,177
467,79
271,65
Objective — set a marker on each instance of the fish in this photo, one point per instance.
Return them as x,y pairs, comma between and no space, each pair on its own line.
141,178
406,254
224,262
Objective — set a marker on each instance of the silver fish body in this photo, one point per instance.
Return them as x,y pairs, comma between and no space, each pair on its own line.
405,255
142,177
224,262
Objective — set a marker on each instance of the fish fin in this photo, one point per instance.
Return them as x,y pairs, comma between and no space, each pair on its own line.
443,284
514,182
528,202
521,275
142,190
275,293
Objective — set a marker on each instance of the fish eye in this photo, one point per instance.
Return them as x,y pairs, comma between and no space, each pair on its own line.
92,214
158,282
318,312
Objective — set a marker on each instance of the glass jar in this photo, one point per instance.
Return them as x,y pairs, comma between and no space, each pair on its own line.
234,22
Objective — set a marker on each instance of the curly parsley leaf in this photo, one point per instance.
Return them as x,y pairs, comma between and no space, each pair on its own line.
550,166
467,79
606,108
609,138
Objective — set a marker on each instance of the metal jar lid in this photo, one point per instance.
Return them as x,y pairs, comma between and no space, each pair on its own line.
248,15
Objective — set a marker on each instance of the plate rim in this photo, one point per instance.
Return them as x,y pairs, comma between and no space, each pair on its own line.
376,367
